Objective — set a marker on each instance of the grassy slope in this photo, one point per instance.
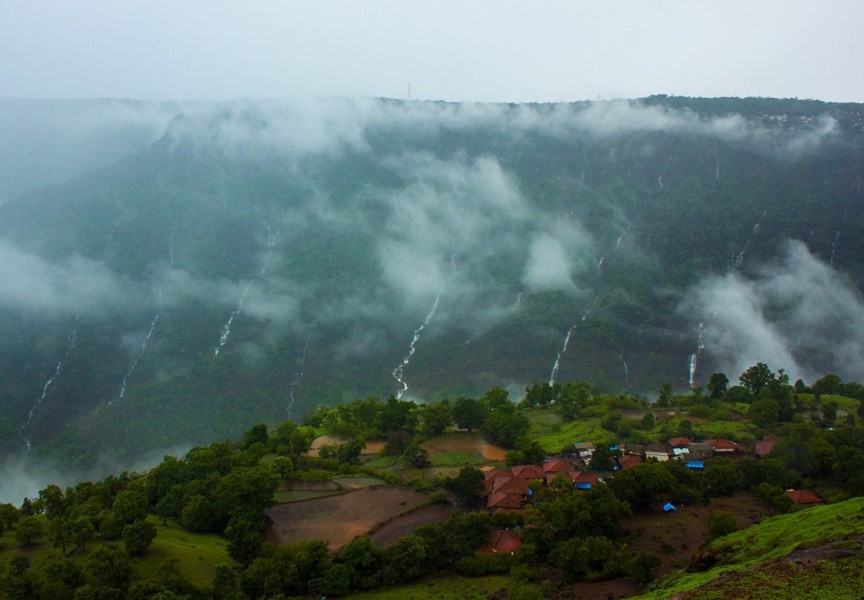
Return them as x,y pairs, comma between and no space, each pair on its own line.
773,539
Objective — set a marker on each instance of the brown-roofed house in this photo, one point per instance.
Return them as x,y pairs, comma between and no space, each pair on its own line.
725,446
584,477
628,461
658,452
764,447
504,541
700,450
527,472
679,442
510,485
557,465
490,477
803,497
504,500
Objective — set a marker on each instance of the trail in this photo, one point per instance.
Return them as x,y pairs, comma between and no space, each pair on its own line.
69,347
270,244
693,359
161,304
399,371
292,391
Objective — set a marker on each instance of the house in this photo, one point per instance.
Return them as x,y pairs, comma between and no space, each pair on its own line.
527,472
504,502
658,452
510,485
585,450
490,477
502,541
803,497
637,449
725,446
557,465
628,461
583,480
764,447
679,442
700,451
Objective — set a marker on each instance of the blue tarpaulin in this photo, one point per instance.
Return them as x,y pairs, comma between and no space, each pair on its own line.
669,507
695,464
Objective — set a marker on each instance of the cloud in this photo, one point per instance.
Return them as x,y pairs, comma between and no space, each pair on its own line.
75,284
798,314
548,267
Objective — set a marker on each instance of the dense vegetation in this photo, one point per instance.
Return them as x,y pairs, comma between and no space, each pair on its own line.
333,233
101,540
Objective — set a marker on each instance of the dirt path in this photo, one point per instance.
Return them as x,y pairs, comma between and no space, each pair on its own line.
407,524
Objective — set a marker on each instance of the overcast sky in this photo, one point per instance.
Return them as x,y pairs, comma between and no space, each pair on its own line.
450,50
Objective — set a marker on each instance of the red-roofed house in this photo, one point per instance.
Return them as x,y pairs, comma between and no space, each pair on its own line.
803,497
628,461
490,477
527,472
764,447
510,485
679,442
584,477
725,446
557,465
504,500
505,541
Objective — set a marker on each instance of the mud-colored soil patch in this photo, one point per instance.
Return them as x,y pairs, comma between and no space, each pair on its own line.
407,524
339,519
322,441
465,442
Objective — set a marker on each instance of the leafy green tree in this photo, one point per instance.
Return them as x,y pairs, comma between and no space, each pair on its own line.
467,484
109,566
137,537
738,394
406,559
720,478
336,581
9,515
764,412
82,531
349,453
199,514
60,533
256,435
504,425
664,397
642,485
717,385
592,558
244,491
53,501
224,583
29,530
436,418
541,394
756,377
360,557
573,397
110,525
417,456
245,536
829,384
468,413
720,523
289,440
130,505
805,449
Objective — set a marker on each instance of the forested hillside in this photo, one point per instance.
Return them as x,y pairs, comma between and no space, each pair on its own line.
258,259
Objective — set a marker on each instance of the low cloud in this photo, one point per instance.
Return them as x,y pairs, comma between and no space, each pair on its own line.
798,314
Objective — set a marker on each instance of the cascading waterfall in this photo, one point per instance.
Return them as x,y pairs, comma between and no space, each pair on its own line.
624,362
25,428
739,258
160,301
834,247
693,359
399,371
73,336
270,244
292,391
519,298
555,366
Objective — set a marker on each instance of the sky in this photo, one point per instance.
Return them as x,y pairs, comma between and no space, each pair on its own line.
503,51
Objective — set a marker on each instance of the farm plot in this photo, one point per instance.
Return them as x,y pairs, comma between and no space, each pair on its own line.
339,519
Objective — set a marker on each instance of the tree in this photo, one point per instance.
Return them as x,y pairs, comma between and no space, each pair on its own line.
82,531
720,523
738,394
436,418
417,456
29,530
664,397
764,412
504,425
130,505
244,491
756,377
256,435
829,384
467,484
199,514
245,536
720,478
349,453
647,422
468,413
138,536
717,385
573,397
109,565
224,583
541,394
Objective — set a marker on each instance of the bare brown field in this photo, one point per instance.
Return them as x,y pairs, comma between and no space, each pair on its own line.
407,524
339,519
676,536
465,442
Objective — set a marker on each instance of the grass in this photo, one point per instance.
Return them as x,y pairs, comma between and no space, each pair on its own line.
580,430
196,554
850,405
772,539
736,430
467,588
